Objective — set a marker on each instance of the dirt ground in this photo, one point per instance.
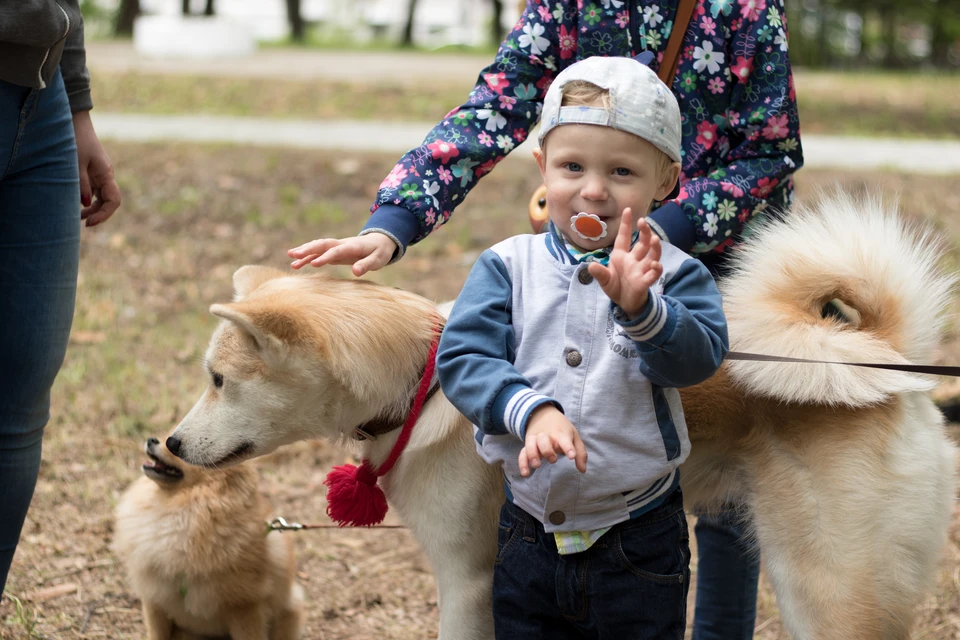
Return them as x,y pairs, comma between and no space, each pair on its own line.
191,216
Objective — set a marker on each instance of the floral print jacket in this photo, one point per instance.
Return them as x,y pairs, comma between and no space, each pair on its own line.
740,131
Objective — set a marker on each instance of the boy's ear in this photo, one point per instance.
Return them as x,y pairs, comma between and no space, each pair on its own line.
541,159
669,180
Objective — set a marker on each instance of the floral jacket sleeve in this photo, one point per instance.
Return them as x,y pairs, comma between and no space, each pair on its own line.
740,128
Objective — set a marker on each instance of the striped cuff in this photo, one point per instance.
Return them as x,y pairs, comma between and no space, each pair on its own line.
513,407
650,321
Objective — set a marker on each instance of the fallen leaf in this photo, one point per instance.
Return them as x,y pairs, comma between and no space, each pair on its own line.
87,337
49,593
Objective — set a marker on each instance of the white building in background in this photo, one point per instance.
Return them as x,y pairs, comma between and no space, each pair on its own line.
438,22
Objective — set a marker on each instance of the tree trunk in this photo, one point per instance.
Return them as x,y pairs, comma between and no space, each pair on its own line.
407,39
823,37
185,7
939,38
889,21
496,30
862,52
209,9
296,20
126,14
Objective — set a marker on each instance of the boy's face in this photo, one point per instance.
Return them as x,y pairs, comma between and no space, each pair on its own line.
599,170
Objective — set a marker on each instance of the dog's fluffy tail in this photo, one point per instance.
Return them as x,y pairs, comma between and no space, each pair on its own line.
847,280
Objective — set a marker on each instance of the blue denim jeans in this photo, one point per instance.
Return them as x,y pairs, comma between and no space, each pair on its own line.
39,255
728,570
632,583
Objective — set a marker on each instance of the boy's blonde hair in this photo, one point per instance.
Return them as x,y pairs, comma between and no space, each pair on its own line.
580,93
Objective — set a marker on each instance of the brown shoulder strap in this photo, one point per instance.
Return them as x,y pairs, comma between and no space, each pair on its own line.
671,55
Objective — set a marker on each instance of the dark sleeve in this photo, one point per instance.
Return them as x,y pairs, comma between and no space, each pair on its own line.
73,66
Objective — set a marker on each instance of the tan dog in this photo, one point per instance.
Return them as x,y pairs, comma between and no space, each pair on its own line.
193,541
847,472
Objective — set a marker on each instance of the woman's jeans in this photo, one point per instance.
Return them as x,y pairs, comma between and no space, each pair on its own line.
39,255
728,570
728,565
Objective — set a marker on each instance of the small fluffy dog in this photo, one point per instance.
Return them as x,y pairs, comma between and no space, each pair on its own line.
847,472
195,546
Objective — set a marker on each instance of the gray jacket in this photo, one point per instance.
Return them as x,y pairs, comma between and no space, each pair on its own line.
38,35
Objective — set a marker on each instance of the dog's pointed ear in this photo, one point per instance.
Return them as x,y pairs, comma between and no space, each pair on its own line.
251,276
270,331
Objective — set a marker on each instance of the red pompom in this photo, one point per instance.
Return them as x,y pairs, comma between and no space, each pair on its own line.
353,497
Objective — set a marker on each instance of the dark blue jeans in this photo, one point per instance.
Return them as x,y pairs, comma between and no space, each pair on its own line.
728,570
39,255
632,583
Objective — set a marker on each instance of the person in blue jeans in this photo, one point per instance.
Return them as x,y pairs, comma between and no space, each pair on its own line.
53,174
572,344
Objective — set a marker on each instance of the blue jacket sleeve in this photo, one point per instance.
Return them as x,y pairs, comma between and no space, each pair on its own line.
682,334
476,353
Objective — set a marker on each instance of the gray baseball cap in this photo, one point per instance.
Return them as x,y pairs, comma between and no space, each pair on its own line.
640,103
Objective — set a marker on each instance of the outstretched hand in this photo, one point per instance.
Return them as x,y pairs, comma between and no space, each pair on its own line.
367,252
630,272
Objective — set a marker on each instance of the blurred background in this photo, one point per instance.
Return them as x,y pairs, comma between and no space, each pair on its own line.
240,128
828,34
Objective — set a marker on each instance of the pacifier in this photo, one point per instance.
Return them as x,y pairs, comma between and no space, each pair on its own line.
588,226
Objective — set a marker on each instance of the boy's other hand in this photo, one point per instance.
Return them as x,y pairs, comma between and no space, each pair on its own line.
631,272
550,433
367,253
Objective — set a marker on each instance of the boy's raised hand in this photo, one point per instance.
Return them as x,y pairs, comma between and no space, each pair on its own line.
367,252
549,433
630,272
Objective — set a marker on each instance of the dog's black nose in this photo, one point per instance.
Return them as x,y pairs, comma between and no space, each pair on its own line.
153,441
173,444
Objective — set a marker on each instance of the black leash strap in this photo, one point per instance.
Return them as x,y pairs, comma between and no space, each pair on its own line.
909,368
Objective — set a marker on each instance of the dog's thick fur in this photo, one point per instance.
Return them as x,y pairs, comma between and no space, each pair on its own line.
847,472
193,542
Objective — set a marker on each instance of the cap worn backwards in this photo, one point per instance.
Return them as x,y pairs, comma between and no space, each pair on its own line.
640,103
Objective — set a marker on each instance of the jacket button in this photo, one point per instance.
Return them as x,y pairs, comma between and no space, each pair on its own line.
584,277
574,358
558,518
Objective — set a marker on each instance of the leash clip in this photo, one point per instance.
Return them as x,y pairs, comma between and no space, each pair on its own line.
279,524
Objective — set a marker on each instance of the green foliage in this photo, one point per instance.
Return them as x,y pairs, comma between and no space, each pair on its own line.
875,33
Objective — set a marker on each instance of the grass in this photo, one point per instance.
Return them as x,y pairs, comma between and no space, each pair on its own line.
881,104
133,370
22,617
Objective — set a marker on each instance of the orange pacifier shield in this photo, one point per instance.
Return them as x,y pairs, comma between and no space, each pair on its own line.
588,226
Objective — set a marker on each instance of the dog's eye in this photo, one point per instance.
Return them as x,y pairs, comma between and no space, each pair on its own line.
217,380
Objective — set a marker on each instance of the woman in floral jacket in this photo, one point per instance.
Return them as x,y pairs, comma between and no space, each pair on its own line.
741,135
741,145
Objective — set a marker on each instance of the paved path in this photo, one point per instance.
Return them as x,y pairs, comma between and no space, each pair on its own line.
820,152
